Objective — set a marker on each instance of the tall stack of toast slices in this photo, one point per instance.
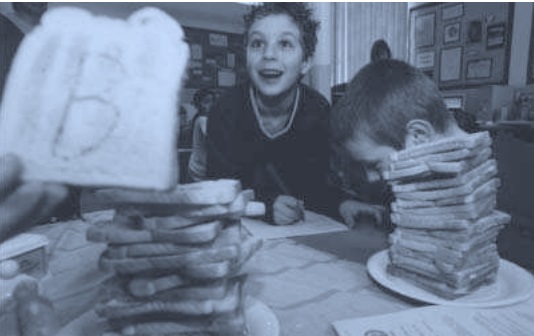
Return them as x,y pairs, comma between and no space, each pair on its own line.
177,257
444,210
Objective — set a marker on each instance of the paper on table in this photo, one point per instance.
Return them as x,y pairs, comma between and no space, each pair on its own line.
515,320
314,224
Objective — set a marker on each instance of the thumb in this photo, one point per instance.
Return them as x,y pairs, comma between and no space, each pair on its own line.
349,219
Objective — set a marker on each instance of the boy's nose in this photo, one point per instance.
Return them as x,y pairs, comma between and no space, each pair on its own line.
270,51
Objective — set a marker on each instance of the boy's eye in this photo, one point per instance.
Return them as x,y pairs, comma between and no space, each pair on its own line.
286,44
256,44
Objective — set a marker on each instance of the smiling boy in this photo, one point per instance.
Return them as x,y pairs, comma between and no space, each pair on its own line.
272,132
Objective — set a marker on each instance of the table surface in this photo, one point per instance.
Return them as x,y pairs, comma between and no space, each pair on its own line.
307,281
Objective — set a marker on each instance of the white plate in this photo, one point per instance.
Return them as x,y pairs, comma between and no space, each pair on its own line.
513,285
261,321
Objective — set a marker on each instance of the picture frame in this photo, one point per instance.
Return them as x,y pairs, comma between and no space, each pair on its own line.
425,59
474,31
479,68
425,25
451,33
452,11
450,67
496,36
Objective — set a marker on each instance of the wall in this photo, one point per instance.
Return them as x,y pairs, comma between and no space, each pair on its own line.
221,16
520,43
358,25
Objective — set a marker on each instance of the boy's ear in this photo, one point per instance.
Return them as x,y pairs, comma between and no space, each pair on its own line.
418,132
305,66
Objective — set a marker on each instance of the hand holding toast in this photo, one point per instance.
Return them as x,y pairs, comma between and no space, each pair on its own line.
350,210
23,203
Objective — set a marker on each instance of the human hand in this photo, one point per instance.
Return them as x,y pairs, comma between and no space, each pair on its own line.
350,210
24,203
26,313
287,210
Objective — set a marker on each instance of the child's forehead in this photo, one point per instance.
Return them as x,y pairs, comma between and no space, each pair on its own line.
284,21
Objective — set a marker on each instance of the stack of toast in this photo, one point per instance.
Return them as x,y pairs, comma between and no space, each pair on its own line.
177,257
445,216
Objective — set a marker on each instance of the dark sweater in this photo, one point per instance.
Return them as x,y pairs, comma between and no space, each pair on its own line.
237,148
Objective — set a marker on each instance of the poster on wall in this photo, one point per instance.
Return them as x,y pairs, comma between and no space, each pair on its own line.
480,68
474,32
451,33
450,64
425,59
451,12
424,30
496,36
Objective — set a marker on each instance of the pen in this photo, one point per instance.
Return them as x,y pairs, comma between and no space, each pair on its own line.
273,173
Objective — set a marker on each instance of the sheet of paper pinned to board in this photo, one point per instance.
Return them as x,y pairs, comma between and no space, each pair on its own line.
516,320
313,224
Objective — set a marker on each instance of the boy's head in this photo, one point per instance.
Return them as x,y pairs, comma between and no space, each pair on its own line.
280,42
388,106
380,50
299,12
203,100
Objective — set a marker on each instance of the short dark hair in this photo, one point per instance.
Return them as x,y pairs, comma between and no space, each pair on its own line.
380,50
382,98
200,95
301,14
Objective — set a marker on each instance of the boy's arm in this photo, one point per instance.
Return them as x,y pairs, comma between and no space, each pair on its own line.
221,143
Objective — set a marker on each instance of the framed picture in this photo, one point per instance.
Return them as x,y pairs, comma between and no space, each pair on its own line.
425,59
480,68
474,31
450,64
451,12
454,101
451,33
424,30
496,36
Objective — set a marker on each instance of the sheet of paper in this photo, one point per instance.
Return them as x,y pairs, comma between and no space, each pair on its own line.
517,320
314,224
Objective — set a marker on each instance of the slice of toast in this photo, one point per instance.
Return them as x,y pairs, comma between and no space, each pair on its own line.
221,191
124,308
81,104
234,209
176,262
489,169
439,288
118,233
468,141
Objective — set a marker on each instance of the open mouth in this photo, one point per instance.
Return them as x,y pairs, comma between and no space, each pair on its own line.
270,73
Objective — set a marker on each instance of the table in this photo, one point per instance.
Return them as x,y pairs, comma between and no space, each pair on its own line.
307,281
311,281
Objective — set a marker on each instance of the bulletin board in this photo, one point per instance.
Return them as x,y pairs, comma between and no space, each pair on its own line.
217,59
462,44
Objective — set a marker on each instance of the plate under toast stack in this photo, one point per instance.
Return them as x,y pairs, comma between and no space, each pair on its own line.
445,216
177,257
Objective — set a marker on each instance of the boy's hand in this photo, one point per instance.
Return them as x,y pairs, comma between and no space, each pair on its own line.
22,204
287,210
350,210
